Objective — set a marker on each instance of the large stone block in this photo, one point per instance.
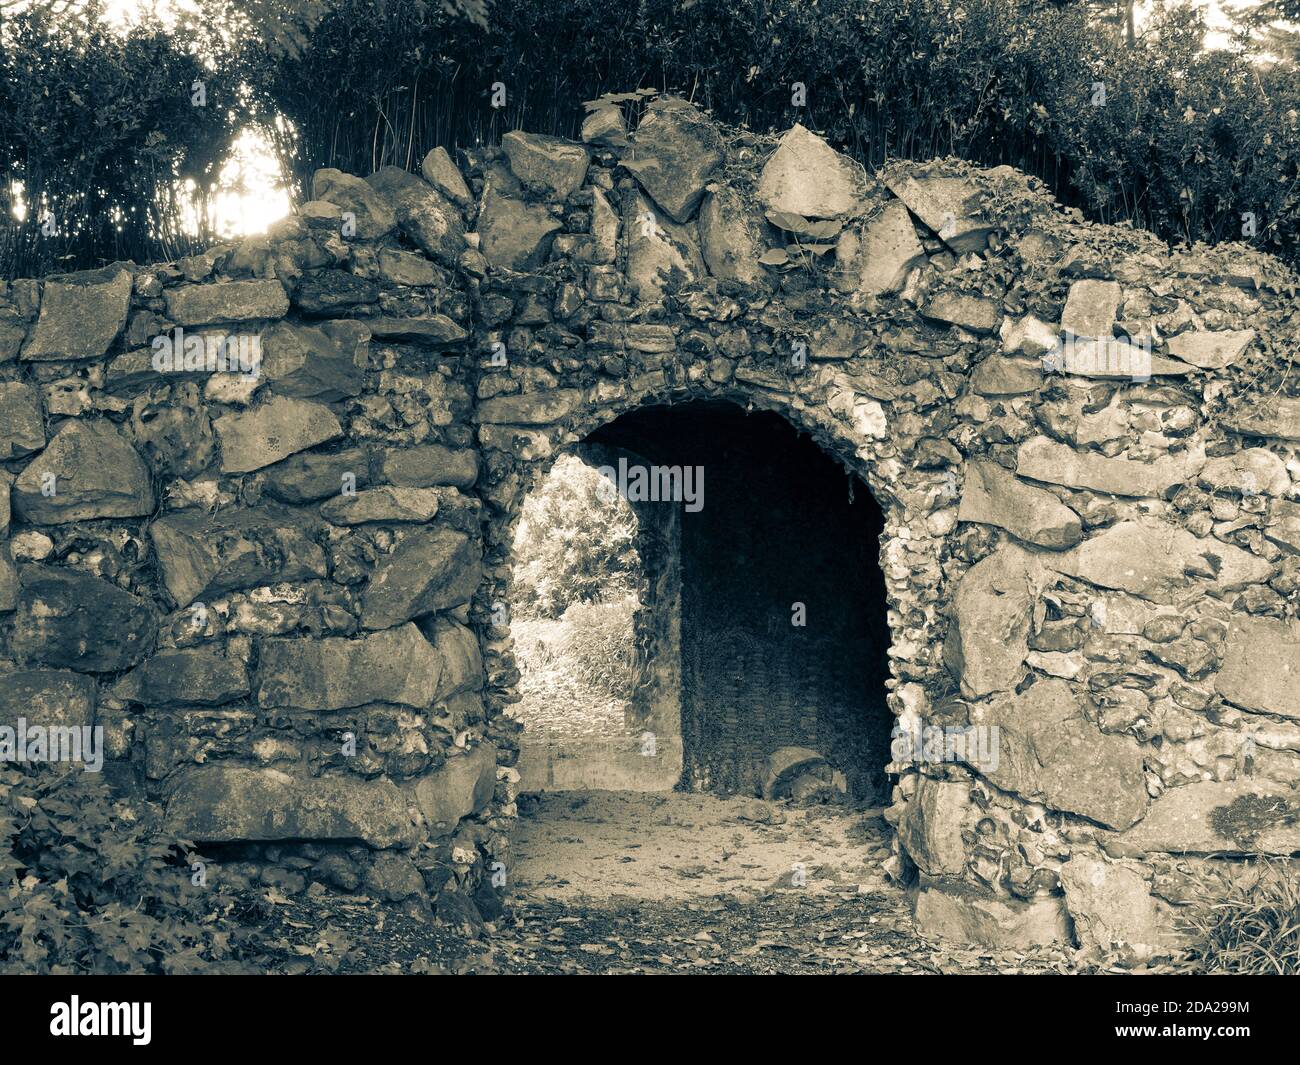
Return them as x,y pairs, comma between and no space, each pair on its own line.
461,786
429,465
1042,459
973,313
431,569
395,666
992,613
1112,909
661,255
424,215
275,430
1091,307
22,424
677,153
385,503
193,677
81,315
1160,562
203,555
957,914
326,361
948,205
1277,417
1261,670
514,234
552,165
1210,350
1241,816
228,803
993,496
1050,752
806,176
371,213
304,478
731,238
72,620
233,301
530,408
47,697
877,260
96,474
930,829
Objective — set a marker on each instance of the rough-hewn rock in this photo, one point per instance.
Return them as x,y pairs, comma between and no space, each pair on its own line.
965,915
975,313
1241,816
676,153
228,803
1255,471
661,256
303,478
994,496
203,555
423,214
1112,908
1159,562
433,329
1276,416
431,569
930,829
515,235
1210,350
22,426
272,431
533,408
429,465
989,635
395,666
197,676
81,314
878,259
235,301
382,504
1050,752
731,240
72,620
459,787
948,205
47,697
89,470
443,174
1091,307
806,176
324,361
372,216
552,165
1041,459
1261,670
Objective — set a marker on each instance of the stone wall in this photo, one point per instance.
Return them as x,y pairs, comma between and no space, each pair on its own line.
282,595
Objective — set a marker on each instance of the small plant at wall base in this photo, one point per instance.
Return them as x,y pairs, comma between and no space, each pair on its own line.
86,885
1253,927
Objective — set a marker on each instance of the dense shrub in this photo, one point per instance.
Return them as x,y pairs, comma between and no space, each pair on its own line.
596,640
87,886
1185,144
1251,925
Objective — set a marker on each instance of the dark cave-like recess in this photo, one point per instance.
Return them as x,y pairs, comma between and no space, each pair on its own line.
782,523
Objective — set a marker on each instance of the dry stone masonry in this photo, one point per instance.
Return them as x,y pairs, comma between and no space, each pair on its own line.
280,594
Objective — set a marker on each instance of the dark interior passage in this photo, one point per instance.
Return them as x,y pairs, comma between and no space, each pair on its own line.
783,633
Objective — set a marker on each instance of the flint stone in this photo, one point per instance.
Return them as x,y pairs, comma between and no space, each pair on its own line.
1050,752
551,164
22,426
395,666
73,620
461,786
1261,671
47,697
931,825
374,217
974,313
230,301
877,260
443,174
227,803
1160,562
989,635
423,214
81,315
1042,459
1090,309
1210,350
731,239
1242,816
677,153
431,569
304,478
98,474
994,496
661,256
206,555
959,914
275,430
948,205
530,408
429,465
197,677
1112,909
326,361
806,176
382,504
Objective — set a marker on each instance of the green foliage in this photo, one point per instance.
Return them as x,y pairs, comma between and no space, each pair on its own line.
87,886
576,543
1251,925
596,643
1187,142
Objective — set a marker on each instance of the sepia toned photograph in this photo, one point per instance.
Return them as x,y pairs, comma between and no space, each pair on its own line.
648,487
